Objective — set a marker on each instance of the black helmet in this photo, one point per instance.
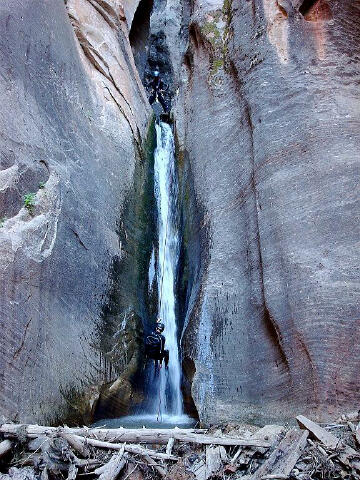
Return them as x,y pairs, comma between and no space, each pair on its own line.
160,326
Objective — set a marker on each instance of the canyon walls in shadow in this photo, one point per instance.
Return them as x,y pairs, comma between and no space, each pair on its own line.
73,123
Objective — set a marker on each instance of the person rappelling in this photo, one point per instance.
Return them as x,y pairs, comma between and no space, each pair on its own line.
157,88
155,346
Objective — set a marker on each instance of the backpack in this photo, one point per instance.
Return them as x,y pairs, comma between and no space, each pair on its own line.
153,345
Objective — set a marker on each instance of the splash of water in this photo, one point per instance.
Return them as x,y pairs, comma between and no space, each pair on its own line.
166,194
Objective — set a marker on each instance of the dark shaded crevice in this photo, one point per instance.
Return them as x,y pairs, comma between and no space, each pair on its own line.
315,10
139,35
282,9
79,239
109,16
189,371
307,5
275,335
18,350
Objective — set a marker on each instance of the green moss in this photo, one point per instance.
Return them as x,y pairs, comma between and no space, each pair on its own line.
227,11
217,64
218,32
29,202
211,32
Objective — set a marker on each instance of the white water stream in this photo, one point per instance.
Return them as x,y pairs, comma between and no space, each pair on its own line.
163,398
166,193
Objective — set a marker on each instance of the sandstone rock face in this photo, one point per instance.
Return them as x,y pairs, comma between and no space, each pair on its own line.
73,118
268,115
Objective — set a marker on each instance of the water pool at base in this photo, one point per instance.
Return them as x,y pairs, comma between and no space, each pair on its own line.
148,421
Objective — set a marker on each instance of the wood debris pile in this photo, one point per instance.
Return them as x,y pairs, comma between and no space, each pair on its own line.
33,452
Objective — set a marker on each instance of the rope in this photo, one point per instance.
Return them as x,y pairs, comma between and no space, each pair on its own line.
159,409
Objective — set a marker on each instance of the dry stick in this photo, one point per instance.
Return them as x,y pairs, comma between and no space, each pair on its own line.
130,473
236,456
170,445
112,469
190,438
346,453
129,448
88,463
73,471
152,463
33,453
284,457
76,443
275,477
5,447
357,434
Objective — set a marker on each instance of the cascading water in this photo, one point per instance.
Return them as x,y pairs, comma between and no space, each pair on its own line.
166,193
163,402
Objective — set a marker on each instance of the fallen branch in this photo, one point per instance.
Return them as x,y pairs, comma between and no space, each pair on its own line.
77,443
112,469
140,435
170,445
136,449
132,435
153,464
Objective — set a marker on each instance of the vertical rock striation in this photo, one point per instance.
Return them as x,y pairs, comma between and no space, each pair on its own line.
73,118
268,116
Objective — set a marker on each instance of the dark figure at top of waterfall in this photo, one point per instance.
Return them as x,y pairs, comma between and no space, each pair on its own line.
157,88
155,346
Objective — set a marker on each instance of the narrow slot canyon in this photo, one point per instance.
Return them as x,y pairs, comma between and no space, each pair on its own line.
156,394
179,229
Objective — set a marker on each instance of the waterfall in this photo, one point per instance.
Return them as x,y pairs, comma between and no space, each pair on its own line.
151,275
166,194
163,402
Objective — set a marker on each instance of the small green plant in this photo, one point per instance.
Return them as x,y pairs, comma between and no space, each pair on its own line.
42,185
29,202
2,221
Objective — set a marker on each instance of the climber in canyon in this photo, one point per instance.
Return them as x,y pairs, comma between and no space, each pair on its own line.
157,88
155,347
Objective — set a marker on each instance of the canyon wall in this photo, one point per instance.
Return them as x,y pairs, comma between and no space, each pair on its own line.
268,115
73,123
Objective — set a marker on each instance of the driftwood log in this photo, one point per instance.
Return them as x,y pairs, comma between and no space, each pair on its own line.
111,470
136,435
